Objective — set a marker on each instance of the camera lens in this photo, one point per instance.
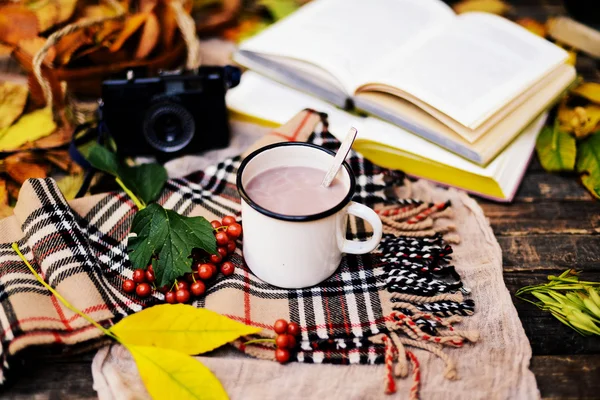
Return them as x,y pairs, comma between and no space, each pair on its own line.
168,127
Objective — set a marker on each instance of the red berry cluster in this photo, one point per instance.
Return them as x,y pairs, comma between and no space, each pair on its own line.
205,267
141,282
286,339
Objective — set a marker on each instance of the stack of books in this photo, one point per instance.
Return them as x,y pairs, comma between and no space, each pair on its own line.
454,99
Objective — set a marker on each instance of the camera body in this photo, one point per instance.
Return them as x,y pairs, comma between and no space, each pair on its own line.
169,115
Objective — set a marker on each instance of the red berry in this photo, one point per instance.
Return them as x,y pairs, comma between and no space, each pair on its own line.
198,288
150,276
164,289
182,295
230,246
150,268
215,224
216,258
222,238
228,220
214,269
128,286
222,251
143,289
182,285
280,326
291,341
227,268
282,355
205,271
170,297
234,230
293,329
139,276
282,341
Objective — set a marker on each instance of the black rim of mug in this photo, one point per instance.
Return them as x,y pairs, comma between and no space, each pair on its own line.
297,218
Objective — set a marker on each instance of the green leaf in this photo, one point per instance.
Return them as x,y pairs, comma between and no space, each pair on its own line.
588,163
279,8
172,237
169,374
104,160
180,327
556,149
144,181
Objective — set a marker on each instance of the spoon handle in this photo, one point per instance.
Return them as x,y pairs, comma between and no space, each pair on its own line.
339,158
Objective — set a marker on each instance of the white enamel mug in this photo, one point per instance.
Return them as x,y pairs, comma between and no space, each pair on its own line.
299,251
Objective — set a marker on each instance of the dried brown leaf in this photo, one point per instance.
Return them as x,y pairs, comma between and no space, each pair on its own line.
5,208
62,160
149,37
132,24
5,50
147,6
168,23
108,29
69,44
13,98
25,165
59,137
17,23
37,95
13,189
47,14
30,47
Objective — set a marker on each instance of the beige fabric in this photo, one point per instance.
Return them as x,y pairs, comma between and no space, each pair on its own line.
495,368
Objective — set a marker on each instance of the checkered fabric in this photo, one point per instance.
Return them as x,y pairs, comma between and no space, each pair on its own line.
80,250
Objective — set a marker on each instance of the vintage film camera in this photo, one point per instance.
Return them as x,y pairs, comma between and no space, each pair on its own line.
169,115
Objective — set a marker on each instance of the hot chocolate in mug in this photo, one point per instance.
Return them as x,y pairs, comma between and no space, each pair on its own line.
297,251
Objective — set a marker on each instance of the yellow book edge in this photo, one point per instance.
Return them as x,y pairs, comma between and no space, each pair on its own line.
411,164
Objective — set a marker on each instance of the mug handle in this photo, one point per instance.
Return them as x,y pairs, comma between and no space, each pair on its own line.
362,247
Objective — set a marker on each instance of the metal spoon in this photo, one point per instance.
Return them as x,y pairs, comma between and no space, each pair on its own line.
339,158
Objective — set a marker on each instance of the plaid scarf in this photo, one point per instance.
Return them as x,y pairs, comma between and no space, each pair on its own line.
353,317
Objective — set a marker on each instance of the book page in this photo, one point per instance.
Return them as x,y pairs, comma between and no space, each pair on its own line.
474,67
348,37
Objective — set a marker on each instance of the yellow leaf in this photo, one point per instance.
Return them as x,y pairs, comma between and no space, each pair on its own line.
69,185
582,121
132,24
47,13
589,90
180,327
30,127
169,374
12,102
490,6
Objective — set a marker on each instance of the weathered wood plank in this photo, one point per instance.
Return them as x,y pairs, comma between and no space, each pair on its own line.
544,186
547,335
524,219
567,377
550,252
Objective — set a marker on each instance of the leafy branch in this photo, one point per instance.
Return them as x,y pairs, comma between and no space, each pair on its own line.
162,340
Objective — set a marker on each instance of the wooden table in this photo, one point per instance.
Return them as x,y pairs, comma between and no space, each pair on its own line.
553,224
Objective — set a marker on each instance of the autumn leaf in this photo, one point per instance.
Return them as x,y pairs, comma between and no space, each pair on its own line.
582,121
46,12
132,24
28,128
98,11
149,37
69,44
62,160
588,90
17,23
69,185
556,149
5,50
13,189
147,6
489,6
180,327
169,374
279,8
5,208
24,165
168,23
13,98
588,163
533,26
33,45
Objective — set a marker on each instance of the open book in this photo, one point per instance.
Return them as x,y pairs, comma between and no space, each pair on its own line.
470,83
265,101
